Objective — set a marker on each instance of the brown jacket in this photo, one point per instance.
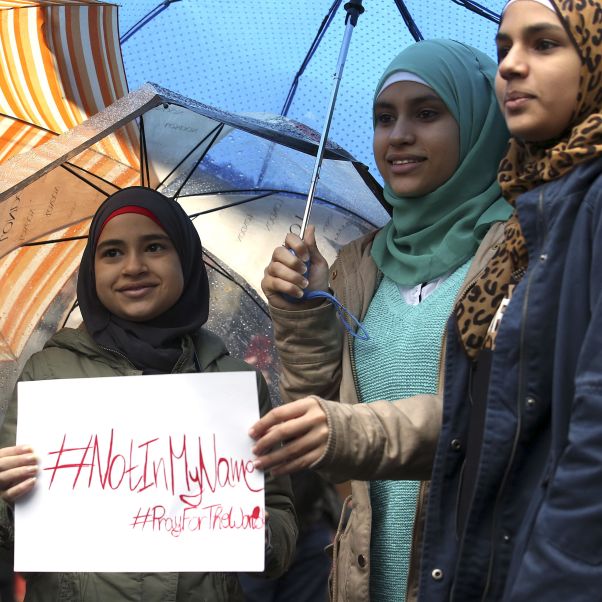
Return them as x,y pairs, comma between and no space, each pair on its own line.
380,440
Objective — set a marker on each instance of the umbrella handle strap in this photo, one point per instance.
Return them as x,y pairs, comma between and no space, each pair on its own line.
352,325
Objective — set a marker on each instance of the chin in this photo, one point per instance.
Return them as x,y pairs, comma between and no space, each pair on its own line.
532,132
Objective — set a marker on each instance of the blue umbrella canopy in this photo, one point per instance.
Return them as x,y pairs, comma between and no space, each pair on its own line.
245,56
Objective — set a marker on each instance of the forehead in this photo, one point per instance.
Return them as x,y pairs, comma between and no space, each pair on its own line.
130,225
401,93
524,14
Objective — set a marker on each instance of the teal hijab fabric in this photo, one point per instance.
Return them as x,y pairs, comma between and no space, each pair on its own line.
431,235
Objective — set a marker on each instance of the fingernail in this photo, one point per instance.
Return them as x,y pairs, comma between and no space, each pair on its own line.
257,464
252,433
305,283
299,294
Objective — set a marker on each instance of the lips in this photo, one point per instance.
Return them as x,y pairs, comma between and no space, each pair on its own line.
405,160
136,290
516,99
402,165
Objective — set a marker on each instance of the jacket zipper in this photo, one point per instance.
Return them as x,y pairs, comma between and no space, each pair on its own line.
121,355
520,396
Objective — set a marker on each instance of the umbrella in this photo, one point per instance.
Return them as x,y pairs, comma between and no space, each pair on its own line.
243,178
280,56
60,63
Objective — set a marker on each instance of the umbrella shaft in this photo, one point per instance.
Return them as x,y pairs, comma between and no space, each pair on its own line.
324,137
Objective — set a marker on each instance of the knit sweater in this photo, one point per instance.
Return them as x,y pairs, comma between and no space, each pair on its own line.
401,359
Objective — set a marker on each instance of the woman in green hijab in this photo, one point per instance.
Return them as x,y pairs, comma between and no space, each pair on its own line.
370,411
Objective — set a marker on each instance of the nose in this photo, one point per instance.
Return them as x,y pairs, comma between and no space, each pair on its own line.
134,264
402,132
514,63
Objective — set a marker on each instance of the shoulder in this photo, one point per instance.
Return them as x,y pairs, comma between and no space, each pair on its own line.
71,353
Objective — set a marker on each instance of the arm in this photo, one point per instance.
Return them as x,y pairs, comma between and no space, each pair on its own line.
307,336
380,440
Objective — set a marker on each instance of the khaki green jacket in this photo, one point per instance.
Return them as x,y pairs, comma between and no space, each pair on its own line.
380,440
73,354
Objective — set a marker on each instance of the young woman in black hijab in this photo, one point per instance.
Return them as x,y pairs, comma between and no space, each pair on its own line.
144,297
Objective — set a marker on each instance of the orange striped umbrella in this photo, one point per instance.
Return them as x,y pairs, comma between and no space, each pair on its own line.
60,63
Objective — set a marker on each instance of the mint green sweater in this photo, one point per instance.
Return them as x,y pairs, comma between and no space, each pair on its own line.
401,359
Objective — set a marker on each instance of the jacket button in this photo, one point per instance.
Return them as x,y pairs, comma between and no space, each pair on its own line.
361,560
543,257
456,444
437,574
506,538
530,401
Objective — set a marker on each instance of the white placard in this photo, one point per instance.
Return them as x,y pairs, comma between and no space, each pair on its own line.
141,473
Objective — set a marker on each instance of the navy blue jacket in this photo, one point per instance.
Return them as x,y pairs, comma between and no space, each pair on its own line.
534,530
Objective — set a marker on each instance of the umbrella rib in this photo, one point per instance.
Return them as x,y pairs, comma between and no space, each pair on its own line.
146,20
189,153
479,9
67,167
326,21
53,241
409,20
218,131
266,194
214,265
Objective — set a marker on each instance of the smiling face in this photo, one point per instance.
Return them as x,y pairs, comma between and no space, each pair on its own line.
416,139
138,271
538,77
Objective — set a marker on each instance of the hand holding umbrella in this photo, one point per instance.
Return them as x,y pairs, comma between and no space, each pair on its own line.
287,273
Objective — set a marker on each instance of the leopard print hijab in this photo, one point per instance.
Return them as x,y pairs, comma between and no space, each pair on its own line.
527,165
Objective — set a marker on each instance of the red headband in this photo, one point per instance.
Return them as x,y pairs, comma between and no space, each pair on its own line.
129,209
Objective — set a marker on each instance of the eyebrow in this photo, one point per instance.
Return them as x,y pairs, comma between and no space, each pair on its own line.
144,238
532,30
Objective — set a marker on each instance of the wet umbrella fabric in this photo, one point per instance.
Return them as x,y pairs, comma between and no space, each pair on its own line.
242,178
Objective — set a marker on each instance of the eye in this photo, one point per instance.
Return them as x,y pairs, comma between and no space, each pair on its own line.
544,45
384,118
427,114
111,253
155,247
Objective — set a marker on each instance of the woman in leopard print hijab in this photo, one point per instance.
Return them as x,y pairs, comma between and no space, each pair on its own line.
514,509
532,159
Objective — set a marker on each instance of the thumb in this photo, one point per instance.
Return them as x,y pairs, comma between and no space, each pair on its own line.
310,241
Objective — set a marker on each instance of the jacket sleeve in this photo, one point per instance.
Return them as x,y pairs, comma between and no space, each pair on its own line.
309,344
563,554
382,439
283,529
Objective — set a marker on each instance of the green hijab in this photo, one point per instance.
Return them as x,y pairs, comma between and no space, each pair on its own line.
431,235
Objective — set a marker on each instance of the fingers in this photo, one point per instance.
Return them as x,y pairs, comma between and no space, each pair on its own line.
18,467
280,416
284,275
296,455
291,437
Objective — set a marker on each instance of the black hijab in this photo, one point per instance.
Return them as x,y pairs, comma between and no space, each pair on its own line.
153,346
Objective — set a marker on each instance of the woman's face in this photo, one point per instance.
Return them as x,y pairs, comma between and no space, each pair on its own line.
538,77
416,139
138,271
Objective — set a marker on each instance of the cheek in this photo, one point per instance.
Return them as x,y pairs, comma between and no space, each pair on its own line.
500,86
569,97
